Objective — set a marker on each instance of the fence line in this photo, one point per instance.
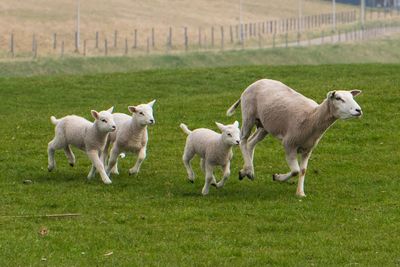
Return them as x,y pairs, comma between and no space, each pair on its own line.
268,33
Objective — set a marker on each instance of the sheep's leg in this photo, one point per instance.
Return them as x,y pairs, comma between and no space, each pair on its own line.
70,155
92,171
104,155
112,161
187,157
256,137
209,179
51,149
248,169
203,165
96,162
303,168
141,156
291,158
225,176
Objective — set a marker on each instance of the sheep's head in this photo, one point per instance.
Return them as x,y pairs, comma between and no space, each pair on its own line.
143,113
230,133
104,120
345,107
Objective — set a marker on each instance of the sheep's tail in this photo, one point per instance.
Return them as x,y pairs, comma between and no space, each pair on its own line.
54,120
231,110
122,155
185,128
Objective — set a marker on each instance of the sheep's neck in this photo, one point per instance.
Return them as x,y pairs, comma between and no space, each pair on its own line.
222,146
137,129
323,118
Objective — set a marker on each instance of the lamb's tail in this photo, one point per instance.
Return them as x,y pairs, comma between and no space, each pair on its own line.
54,120
231,110
185,128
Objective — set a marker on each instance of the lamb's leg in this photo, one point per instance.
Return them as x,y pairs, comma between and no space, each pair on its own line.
70,155
209,179
112,161
303,168
225,176
256,137
248,169
141,156
186,158
92,171
291,158
51,149
203,165
96,162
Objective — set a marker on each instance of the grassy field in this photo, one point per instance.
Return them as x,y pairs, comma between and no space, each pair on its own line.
349,217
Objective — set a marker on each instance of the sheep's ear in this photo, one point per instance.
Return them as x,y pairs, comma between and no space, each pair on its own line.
132,109
111,109
331,94
236,124
355,92
151,103
220,126
95,114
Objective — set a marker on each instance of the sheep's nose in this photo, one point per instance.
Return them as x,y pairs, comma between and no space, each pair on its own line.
358,110
152,121
113,127
237,142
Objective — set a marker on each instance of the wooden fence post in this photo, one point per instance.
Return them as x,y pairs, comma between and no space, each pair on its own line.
62,49
153,43
126,46
105,47
12,45
199,37
212,36
76,43
115,38
135,39
222,37
97,40
186,39
84,48
231,33
170,38
54,40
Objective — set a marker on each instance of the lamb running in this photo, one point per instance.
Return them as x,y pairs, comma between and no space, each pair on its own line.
297,121
130,136
214,149
85,135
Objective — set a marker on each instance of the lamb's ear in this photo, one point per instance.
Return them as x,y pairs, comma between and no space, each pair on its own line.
236,124
111,109
151,103
220,126
95,114
355,92
331,94
132,109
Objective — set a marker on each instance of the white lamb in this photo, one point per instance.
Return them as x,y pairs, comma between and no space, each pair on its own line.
130,136
296,120
85,135
214,150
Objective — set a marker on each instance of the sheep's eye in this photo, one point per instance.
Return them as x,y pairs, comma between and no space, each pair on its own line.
103,120
141,113
339,99
229,134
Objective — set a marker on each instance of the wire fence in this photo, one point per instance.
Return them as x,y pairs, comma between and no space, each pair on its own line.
308,30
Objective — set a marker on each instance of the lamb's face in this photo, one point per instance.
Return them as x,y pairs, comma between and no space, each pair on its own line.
104,120
345,107
143,113
230,133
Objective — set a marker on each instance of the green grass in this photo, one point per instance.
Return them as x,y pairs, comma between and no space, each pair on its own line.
374,51
350,215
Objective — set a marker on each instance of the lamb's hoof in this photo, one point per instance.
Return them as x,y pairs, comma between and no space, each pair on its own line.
132,173
274,177
107,181
191,181
250,176
241,176
300,194
71,164
215,185
50,168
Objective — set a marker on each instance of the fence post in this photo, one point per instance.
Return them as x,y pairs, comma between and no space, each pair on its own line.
148,46
34,44
170,38
222,37
105,47
153,44
84,48
199,37
115,38
135,39
54,40
298,38
97,40
286,40
186,39
231,33
62,49
76,43
12,45
212,36
126,46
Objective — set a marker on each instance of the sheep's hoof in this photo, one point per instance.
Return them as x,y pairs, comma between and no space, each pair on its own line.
191,181
250,176
274,177
107,182
71,164
215,185
300,194
49,168
241,176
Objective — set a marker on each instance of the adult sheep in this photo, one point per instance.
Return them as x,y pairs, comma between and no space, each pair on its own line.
299,122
